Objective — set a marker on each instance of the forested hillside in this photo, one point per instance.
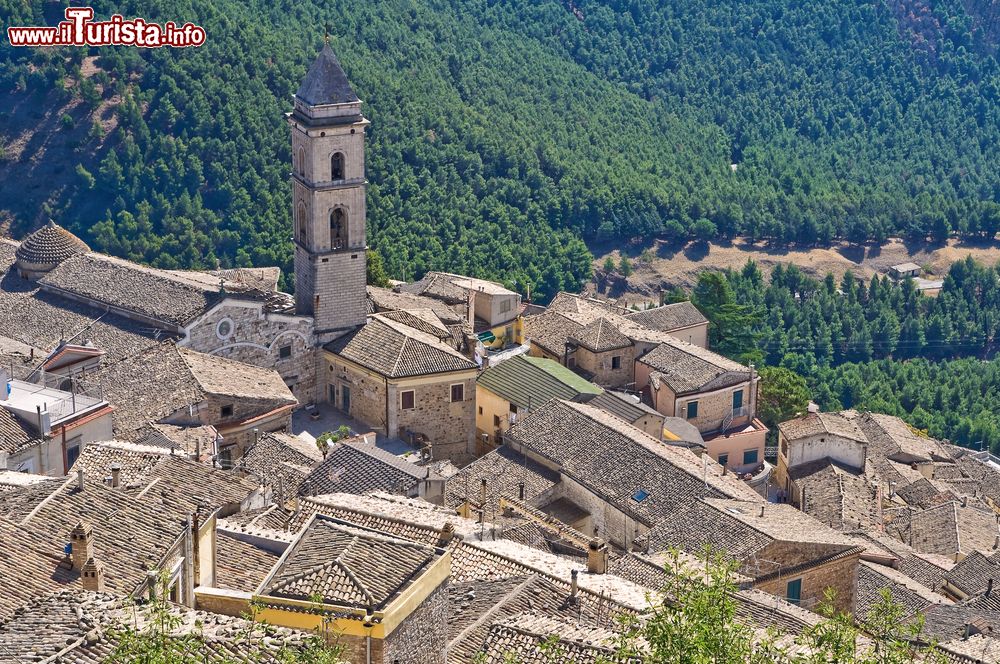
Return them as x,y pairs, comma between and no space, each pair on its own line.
506,133
880,346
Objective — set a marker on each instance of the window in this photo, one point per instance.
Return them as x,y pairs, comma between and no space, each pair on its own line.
72,452
224,329
407,400
285,352
504,306
496,421
301,166
513,408
337,166
480,410
784,448
723,459
749,457
338,229
737,399
692,409
793,592
457,392
226,411
616,362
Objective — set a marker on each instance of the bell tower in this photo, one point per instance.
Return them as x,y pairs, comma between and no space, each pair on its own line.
328,198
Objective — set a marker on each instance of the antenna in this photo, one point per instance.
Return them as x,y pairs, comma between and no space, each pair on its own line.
326,37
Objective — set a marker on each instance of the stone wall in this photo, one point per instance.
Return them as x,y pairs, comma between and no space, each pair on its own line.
258,338
450,427
600,364
841,575
423,635
367,393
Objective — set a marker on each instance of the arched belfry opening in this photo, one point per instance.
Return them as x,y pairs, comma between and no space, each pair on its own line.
337,166
338,228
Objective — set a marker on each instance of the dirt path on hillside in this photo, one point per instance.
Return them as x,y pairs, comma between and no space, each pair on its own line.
660,266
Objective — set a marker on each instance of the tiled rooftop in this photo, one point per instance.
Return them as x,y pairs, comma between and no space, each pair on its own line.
688,368
395,350
668,317
357,466
617,461
818,424
348,566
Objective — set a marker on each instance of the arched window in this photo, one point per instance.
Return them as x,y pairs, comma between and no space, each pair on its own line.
300,221
338,229
337,166
301,166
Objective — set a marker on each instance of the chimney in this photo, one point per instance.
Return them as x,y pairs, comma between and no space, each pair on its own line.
762,511
482,494
116,475
520,491
82,545
81,482
965,501
446,534
574,586
989,587
92,576
597,557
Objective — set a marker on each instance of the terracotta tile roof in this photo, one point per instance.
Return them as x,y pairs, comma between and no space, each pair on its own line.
356,466
688,368
155,294
423,320
909,594
348,566
451,288
528,382
923,494
836,495
741,529
280,456
947,529
37,571
972,574
529,638
239,564
945,622
272,517
408,518
398,351
184,378
42,319
927,569
15,434
385,300
976,649
504,470
895,439
134,460
564,301
551,330
817,424
624,466
49,245
187,440
599,336
669,317
627,407
78,627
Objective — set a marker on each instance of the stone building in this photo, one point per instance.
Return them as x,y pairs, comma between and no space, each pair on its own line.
716,394
405,383
785,552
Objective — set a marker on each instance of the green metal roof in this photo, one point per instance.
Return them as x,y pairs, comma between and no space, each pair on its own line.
523,379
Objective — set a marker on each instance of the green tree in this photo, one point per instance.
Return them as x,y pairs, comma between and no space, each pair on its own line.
783,395
376,274
730,325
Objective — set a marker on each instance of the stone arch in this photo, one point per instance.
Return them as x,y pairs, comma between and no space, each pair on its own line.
337,166
338,228
300,167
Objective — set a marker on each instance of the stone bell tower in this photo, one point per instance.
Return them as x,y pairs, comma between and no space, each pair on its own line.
328,199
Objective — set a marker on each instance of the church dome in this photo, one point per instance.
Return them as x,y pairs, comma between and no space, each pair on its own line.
46,248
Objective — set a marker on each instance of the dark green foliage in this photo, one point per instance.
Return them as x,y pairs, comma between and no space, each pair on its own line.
884,346
730,324
504,132
783,395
